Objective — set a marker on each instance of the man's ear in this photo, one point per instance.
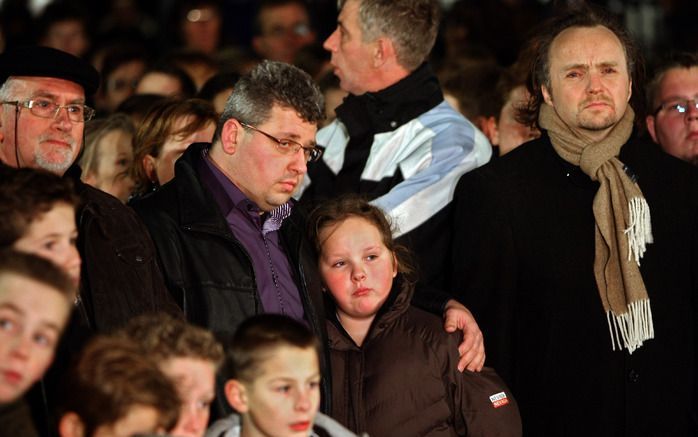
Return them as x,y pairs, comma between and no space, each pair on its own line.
488,125
383,52
630,90
149,165
547,96
649,121
70,425
231,135
236,395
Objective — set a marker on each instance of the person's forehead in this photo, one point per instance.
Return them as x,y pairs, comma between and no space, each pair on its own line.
349,7
577,43
21,294
290,362
285,114
48,85
680,79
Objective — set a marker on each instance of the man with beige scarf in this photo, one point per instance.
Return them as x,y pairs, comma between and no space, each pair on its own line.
579,251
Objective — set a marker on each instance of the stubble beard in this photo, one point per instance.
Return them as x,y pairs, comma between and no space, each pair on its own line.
594,121
57,167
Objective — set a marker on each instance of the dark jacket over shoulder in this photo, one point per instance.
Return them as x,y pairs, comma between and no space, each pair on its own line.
120,275
403,380
525,268
206,268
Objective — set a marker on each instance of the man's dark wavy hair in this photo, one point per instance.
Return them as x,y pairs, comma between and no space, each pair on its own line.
537,55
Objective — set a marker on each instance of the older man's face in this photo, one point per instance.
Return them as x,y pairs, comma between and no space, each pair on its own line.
352,57
675,131
48,143
589,80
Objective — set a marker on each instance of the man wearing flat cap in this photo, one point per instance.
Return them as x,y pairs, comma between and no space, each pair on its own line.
42,118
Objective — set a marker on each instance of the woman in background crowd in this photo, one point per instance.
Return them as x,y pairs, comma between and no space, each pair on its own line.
108,155
166,132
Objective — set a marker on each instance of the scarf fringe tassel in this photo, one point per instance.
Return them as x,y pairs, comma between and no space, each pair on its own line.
631,329
639,233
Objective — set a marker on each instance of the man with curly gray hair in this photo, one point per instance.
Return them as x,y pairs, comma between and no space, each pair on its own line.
229,239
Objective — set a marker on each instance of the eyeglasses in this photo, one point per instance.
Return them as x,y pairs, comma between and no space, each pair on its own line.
45,108
288,147
677,107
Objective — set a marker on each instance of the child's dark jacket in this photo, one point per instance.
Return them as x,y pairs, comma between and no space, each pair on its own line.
404,380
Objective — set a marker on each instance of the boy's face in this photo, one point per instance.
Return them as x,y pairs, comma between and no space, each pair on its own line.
356,267
283,400
52,235
32,317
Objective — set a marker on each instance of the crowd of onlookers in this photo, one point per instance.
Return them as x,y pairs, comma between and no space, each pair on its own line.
307,218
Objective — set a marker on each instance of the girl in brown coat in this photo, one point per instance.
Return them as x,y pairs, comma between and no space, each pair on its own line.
393,366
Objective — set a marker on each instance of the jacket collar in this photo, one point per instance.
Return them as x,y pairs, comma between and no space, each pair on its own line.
396,305
385,110
196,205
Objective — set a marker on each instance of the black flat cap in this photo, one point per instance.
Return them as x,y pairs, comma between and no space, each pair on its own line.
38,61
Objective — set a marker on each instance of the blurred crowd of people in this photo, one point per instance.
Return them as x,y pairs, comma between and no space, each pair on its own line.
282,218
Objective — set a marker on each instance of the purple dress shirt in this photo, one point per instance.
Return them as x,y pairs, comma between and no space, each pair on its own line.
258,234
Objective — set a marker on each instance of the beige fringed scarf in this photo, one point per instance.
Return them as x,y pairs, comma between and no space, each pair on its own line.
623,226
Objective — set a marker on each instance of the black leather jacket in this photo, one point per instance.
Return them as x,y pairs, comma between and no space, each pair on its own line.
206,268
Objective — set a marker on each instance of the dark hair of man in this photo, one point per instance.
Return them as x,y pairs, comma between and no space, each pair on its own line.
411,25
26,194
676,60
336,210
258,338
509,80
164,337
273,83
474,85
216,84
116,56
185,81
113,375
182,57
262,5
159,124
538,56
36,268
138,105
